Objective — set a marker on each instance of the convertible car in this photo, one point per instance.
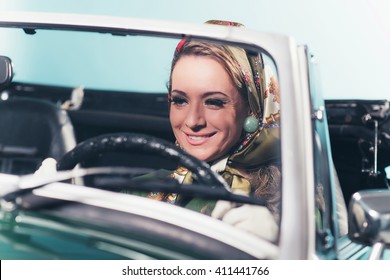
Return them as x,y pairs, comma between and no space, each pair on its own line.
90,92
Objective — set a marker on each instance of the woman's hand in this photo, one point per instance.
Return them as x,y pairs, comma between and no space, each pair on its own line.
251,218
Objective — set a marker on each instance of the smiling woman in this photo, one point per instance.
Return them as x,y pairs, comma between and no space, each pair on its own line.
219,99
207,112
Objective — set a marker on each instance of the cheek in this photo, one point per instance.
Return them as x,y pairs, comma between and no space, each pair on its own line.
230,124
237,129
174,117
236,125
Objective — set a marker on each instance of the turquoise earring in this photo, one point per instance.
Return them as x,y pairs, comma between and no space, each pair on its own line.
251,124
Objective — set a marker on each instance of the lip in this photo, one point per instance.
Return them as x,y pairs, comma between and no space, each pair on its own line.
198,139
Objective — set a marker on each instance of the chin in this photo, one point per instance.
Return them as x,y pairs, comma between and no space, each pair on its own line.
202,153
207,158
200,156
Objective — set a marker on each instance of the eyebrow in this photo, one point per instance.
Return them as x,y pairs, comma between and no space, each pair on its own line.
205,94
178,91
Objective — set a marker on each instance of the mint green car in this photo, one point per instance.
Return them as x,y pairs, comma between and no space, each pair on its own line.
90,92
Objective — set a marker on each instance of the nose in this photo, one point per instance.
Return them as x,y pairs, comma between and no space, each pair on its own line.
195,118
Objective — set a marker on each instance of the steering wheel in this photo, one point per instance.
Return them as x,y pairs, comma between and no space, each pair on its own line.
127,142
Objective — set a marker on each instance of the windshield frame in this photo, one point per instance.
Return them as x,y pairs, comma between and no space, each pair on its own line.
297,196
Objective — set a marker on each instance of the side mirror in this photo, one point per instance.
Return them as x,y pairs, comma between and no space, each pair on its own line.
369,220
5,71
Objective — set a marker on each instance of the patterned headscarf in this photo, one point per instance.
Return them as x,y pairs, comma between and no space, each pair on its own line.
263,145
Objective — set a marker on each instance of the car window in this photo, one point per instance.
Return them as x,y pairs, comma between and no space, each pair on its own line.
92,60
121,81
325,178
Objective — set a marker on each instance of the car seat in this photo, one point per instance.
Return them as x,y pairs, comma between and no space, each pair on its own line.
30,131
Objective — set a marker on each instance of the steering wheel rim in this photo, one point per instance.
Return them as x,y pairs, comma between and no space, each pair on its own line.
126,142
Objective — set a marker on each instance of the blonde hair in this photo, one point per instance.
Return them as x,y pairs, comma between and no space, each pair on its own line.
218,52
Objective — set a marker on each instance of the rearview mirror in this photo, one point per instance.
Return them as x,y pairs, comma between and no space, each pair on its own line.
5,71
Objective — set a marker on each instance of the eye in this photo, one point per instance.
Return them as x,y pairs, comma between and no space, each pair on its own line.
215,102
178,101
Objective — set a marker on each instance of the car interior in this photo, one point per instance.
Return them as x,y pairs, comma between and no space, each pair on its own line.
359,135
101,115
47,132
54,124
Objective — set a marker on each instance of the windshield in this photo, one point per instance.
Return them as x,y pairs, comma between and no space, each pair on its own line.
108,98
91,60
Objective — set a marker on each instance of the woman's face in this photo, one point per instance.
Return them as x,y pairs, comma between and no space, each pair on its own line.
207,111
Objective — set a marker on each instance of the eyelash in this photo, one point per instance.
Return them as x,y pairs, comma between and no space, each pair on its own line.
212,102
179,101
215,102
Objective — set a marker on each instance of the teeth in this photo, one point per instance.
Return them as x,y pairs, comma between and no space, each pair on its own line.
197,138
